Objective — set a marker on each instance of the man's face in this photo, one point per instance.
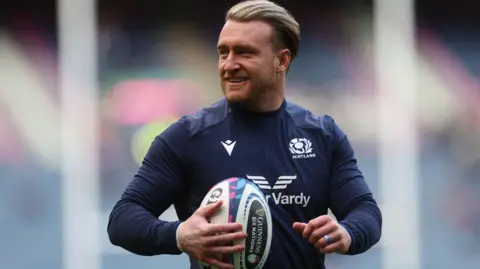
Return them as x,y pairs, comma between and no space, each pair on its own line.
247,61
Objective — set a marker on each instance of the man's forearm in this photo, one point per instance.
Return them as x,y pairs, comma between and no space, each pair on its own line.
364,223
135,229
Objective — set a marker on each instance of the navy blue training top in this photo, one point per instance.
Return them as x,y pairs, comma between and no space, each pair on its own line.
303,163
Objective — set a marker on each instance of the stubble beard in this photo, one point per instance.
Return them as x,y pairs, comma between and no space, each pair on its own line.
260,91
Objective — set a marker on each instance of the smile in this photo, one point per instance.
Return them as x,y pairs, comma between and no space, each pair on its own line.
236,80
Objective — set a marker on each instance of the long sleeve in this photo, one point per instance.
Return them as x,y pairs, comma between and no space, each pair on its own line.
133,223
351,200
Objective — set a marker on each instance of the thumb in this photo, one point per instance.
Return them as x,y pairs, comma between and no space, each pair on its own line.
209,209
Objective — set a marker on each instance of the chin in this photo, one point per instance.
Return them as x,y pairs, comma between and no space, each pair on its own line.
236,97
236,94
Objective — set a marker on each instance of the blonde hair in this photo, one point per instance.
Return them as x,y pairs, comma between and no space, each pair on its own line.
287,29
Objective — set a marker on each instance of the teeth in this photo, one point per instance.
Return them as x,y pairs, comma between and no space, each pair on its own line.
235,80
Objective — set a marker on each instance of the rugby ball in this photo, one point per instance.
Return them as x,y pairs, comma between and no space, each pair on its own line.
243,202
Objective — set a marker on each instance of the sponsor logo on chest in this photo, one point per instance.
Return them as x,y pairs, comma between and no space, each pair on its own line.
278,195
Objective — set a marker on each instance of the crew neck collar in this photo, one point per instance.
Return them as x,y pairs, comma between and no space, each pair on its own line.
240,109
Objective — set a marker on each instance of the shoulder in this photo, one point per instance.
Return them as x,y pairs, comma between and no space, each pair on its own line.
323,124
200,121
177,135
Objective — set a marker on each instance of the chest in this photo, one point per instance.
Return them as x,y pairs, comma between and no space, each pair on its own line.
290,166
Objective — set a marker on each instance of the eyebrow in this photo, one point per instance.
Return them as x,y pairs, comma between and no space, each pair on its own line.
236,47
221,47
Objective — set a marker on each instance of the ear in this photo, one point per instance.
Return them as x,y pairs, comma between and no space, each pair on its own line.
284,57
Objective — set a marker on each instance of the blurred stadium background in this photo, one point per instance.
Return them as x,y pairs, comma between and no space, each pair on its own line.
85,86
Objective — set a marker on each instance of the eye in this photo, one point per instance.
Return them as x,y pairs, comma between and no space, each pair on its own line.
223,54
246,52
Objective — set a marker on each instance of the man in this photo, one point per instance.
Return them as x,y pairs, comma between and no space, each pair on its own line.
252,133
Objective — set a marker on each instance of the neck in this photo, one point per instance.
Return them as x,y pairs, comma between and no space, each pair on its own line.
268,101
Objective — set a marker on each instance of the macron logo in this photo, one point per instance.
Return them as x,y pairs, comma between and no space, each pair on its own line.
229,145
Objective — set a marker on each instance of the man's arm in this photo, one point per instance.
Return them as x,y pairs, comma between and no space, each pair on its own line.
133,223
351,200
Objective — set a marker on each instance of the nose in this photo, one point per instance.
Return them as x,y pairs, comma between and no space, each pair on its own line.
230,64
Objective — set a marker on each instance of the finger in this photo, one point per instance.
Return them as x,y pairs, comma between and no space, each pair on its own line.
223,250
315,223
224,228
209,209
334,247
299,226
322,242
225,238
217,263
322,231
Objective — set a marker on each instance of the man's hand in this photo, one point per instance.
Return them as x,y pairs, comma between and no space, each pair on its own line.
316,230
207,242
